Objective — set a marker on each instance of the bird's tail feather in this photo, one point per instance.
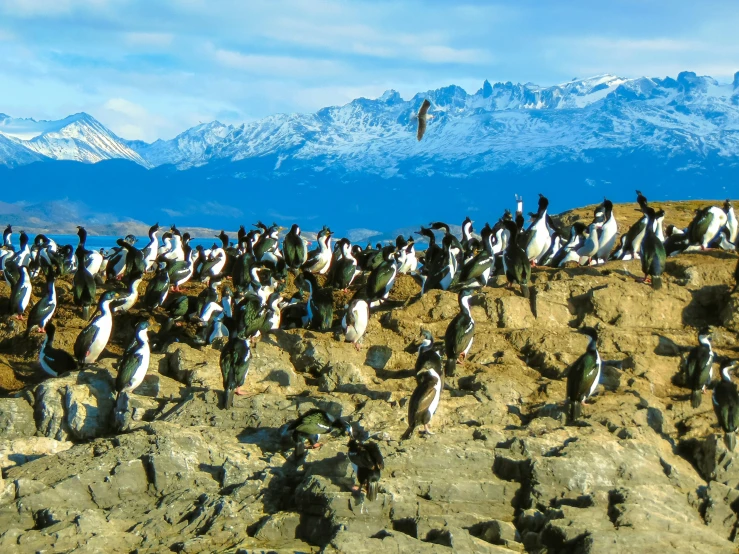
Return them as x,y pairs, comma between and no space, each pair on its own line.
525,291
575,409
408,433
228,399
86,313
695,398
372,487
299,450
730,440
656,282
451,367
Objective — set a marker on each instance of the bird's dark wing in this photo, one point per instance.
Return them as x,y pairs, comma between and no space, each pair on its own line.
421,127
424,108
581,376
379,279
130,361
314,423
421,399
84,340
374,451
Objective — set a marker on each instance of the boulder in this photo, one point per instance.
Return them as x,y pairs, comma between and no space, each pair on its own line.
16,418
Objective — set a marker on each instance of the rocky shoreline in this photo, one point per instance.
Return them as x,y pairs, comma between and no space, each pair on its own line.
167,470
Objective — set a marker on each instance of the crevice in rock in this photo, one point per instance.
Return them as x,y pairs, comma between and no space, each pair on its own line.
615,497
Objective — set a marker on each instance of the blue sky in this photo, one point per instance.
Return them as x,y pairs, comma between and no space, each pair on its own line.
152,68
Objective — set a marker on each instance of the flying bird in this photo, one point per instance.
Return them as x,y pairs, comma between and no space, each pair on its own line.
422,118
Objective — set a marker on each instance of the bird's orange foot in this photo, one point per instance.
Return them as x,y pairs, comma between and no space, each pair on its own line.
40,330
316,446
357,347
239,392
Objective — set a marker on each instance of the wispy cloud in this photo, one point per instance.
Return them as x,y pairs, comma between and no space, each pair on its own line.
151,69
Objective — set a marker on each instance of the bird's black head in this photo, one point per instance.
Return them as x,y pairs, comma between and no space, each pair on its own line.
130,239
440,226
107,296
295,229
388,252
175,231
426,334
50,329
590,332
507,216
154,228
186,238
705,333
727,205
543,202
142,325
343,425
400,242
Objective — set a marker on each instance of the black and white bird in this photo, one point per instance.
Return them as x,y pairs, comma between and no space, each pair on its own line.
311,425
319,260
368,463
706,226
134,363
84,287
54,361
43,310
515,261
20,294
128,299
653,253
608,231
344,269
157,289
382,278
699,367
234,361
726,404
150,251
426,397
93,339
356,319
538,236
459,334
584,375
294,249
423,116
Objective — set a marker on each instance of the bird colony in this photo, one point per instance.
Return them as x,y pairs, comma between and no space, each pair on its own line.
246,298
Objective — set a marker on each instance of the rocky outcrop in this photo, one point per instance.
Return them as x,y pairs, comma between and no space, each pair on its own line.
164,468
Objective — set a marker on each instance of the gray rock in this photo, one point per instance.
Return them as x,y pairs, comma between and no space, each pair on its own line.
16,418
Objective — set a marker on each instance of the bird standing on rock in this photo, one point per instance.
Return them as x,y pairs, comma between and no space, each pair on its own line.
583,376
425,398
235,358
54,361
652,252
459,334
135,361
93,339
367,462
726,405
515,262
311,425
699,367
43,310
356,319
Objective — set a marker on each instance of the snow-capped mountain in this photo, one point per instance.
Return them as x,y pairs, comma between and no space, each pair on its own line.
79,137
360,168
500,124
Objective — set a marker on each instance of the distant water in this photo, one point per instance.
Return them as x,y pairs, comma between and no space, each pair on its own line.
106,242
